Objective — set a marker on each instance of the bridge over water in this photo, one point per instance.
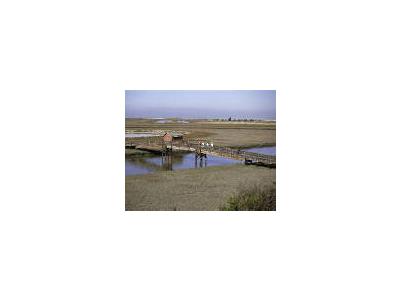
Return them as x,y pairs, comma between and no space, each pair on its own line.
201,149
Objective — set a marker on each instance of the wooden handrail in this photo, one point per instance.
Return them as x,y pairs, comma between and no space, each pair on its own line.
223,151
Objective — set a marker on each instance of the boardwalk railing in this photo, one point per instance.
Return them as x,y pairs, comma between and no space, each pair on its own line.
201,146
232,153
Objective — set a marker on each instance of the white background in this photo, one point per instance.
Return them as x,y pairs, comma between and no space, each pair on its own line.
64,67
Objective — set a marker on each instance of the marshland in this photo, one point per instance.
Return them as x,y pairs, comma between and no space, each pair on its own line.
185,183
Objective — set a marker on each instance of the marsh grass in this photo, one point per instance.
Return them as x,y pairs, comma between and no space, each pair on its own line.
256,197
221,133
137,153
192,189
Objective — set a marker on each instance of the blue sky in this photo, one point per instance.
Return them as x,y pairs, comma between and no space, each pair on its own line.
200,104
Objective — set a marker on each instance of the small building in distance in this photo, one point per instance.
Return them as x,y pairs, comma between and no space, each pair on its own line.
172,137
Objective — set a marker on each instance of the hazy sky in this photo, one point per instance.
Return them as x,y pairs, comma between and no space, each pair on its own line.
200,104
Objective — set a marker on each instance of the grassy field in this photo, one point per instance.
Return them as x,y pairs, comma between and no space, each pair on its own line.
192,189
231,134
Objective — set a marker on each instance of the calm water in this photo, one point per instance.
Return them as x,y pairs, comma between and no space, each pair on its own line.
263,150
144,165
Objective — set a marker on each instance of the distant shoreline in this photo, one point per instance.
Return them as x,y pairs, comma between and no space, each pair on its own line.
199,119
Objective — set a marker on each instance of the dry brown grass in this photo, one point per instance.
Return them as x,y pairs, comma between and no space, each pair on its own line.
256,197
192,189
230,134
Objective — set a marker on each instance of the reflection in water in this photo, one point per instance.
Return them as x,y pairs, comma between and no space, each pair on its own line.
166,162
176,161
200,162
179,160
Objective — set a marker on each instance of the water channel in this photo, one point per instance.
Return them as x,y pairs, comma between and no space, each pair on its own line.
179,160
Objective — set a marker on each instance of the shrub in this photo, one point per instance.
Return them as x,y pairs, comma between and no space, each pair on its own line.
258,197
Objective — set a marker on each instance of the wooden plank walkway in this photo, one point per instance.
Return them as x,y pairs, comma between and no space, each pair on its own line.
196,146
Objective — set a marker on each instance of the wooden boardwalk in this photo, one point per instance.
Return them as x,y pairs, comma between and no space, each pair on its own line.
156,145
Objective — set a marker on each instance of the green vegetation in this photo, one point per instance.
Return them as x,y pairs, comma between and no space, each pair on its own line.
257,197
